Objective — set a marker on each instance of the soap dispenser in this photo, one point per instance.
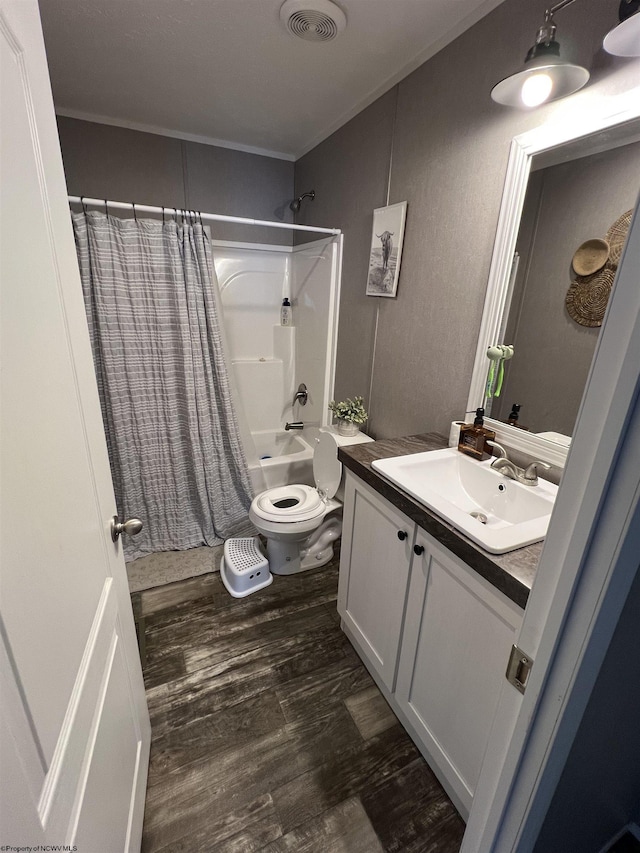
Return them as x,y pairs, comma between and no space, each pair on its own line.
473,437
512,420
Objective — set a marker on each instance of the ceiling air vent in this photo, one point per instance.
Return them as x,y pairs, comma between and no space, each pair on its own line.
313,20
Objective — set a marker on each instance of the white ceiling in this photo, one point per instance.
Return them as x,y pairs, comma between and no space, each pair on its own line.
227,72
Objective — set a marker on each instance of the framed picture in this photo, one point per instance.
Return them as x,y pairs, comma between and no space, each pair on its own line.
386,249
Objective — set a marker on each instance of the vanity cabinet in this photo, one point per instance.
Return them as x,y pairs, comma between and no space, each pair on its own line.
456,642
377,542
435,635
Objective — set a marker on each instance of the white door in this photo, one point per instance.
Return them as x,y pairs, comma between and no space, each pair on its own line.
582,581
75,728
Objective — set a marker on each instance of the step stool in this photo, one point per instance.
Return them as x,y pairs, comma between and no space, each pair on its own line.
243,567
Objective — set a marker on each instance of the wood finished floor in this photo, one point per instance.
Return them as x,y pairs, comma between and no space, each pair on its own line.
269,734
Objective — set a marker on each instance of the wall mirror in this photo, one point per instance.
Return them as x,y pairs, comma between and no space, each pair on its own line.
564,185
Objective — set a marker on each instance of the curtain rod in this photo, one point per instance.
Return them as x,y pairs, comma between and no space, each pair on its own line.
217,217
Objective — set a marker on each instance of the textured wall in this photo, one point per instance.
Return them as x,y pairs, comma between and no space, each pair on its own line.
579,200
102,161
446,145
436,140
350,174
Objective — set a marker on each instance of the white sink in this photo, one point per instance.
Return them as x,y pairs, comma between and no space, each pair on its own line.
463,491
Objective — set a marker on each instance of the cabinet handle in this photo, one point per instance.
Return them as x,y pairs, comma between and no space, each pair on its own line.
402,535
418,549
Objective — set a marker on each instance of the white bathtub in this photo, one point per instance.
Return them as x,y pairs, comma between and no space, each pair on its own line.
283,458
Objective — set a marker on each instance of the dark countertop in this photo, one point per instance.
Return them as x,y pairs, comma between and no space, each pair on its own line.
511,573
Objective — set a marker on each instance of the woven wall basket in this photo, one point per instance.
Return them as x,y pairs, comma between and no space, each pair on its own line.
588,296
616,235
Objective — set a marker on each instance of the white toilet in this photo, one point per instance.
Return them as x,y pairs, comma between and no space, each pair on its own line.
300,522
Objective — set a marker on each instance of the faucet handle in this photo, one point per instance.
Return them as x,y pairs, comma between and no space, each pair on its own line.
502,453
301,396
531,471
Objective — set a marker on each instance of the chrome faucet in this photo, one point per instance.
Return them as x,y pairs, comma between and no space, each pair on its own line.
527,476
294,425
301,396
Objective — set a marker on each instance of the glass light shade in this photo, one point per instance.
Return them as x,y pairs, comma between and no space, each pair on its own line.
624,40
530,87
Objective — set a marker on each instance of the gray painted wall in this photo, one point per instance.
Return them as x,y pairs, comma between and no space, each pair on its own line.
578,200
350,174
102,161
599,790
438,141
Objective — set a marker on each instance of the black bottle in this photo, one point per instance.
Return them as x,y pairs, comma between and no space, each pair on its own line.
512,420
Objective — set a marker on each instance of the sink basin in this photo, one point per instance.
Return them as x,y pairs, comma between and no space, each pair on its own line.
489,508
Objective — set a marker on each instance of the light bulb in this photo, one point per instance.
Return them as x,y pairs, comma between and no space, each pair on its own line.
536,89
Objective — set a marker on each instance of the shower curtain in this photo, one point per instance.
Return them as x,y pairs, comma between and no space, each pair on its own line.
176,456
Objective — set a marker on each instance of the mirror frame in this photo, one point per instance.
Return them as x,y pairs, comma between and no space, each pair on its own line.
523,149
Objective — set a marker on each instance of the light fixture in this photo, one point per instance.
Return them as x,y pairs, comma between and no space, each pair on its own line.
545,77
624,40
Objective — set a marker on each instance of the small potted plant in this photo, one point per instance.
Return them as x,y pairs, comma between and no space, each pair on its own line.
351,414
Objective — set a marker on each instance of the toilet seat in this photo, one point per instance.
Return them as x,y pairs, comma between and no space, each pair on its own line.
289,504
300,503
297,520
297,507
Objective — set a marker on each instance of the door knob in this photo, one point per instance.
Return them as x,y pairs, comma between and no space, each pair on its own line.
131,527
418,550
402,535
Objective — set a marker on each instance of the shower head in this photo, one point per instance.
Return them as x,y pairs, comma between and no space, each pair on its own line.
295,204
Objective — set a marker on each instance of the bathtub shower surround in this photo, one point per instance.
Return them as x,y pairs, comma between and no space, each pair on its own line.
270,360
174,446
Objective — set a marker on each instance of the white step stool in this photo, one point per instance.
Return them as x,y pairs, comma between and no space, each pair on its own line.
243,567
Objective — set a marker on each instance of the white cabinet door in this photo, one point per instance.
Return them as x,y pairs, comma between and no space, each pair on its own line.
75,728
374,569
458,635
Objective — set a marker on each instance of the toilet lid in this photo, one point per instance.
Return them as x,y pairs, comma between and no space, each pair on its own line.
327,471
288,503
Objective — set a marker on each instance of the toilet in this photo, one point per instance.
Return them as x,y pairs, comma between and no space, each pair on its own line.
301,522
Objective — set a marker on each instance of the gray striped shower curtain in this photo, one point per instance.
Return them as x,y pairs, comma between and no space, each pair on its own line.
176,457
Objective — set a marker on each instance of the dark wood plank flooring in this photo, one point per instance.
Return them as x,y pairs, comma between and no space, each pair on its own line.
268,732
